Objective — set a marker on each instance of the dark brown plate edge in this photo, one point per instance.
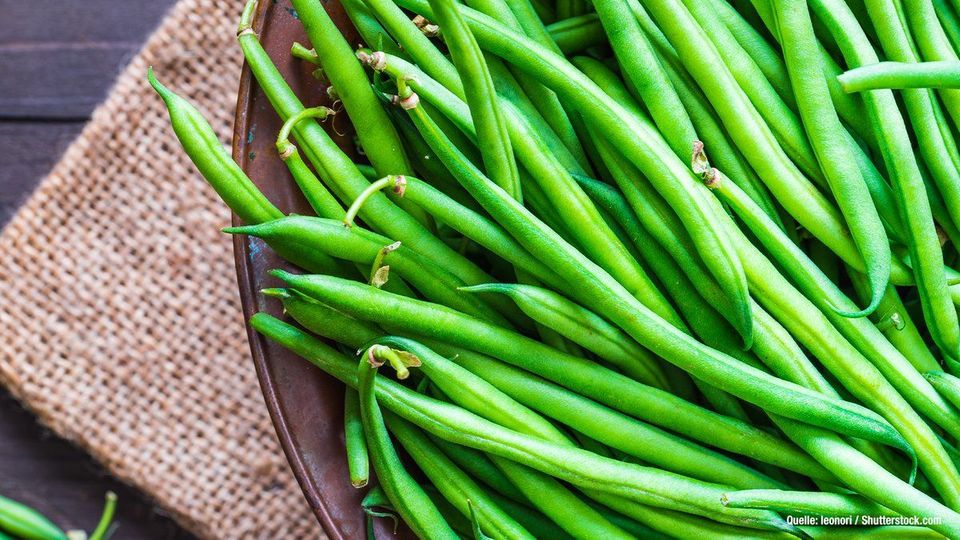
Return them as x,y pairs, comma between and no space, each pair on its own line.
250,305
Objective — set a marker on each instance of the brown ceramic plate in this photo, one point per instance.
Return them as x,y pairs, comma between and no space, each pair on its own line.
305,404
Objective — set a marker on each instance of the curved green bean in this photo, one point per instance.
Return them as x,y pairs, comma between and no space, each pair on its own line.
831,146
408,498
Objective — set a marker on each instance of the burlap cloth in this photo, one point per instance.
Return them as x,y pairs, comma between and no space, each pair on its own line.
120,325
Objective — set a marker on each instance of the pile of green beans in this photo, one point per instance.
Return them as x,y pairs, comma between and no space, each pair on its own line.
639,268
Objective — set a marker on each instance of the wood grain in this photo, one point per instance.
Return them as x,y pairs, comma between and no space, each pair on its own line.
58,60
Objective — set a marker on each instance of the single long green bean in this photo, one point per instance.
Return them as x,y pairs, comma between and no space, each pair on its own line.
583,327
233,186
376,133
642,70
797,503
831,146
943,74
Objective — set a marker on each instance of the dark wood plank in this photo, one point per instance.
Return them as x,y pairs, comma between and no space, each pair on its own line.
58,59
30,149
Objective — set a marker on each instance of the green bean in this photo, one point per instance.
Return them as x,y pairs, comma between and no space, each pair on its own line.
322,202
458,488
362,246
943,74
639,141
946,384
480,96
583,327
830,145
642,70
933,44
471,224
25,522
798,503
370,29
377,136
343,178
641,484
106,518
358,462
227,178
560,504
590,379
408,498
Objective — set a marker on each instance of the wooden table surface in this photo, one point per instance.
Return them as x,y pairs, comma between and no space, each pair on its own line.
58,59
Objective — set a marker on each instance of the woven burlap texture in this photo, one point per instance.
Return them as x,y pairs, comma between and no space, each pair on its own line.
121,324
